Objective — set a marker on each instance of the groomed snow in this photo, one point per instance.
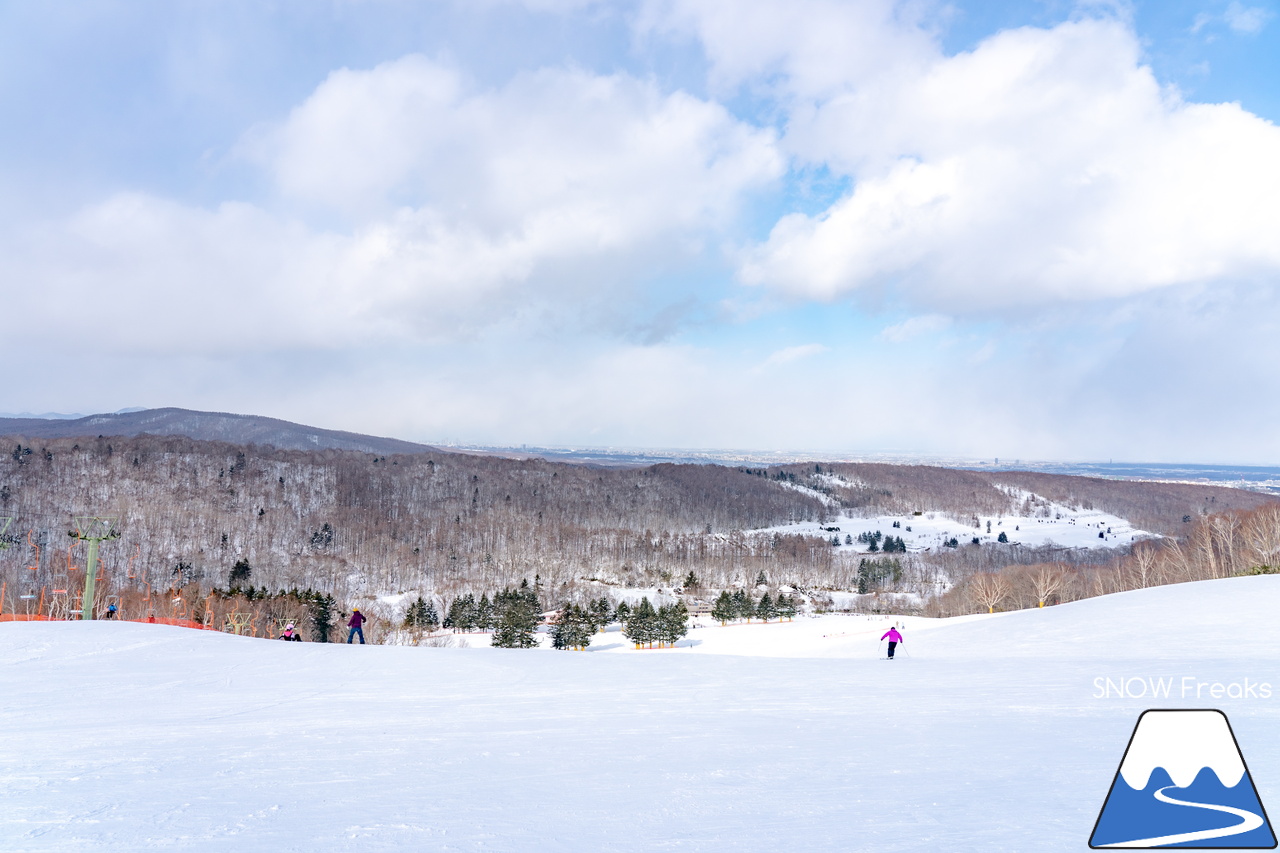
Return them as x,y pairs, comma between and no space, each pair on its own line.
990,733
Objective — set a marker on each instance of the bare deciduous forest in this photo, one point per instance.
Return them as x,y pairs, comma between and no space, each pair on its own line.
1221,545
351,524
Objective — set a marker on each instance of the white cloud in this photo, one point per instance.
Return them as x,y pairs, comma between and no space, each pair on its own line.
787,355
1246,19
814,48
571,159
460,210
914,327
1045,166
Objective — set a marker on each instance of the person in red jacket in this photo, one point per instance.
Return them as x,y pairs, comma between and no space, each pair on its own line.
354,623
894,638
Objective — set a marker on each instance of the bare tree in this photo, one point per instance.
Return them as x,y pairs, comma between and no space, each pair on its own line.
1261,532
989,589
1145,563
1046,580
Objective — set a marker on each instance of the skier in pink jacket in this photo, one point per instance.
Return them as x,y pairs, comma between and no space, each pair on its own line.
894,638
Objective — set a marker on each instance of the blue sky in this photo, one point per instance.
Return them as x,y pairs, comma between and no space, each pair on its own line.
1024,229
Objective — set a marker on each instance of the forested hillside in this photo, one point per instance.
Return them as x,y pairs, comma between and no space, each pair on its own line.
351,523
341,520
1164,508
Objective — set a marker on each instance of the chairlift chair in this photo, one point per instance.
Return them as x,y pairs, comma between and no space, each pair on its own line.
104,605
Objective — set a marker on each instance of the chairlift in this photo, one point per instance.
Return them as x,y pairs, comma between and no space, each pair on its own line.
237,622
104,606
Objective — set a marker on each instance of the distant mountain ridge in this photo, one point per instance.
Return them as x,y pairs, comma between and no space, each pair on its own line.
209,426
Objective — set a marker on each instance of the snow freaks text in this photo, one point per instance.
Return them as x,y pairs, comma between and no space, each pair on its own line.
1186,687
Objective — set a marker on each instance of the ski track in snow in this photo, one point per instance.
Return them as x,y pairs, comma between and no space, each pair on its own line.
987,737
1248,822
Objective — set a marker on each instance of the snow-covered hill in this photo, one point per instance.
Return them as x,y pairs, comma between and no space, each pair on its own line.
1054,524
990,733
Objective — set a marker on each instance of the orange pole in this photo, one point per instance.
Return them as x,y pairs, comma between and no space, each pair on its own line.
2,588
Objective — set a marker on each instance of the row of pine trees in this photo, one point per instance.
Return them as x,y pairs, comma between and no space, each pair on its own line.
513,616
741,605
642,625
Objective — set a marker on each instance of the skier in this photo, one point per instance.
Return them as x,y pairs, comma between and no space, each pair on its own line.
894,638
357,619
291,634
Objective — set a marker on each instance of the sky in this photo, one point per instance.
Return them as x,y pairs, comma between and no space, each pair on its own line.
1031,229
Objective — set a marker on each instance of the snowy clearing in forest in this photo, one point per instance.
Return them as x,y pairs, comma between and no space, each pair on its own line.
989,733
1066,527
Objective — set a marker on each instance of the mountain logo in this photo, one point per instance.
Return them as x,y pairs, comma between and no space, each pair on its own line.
1183,783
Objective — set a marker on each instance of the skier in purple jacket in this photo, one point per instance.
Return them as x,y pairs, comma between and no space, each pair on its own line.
354,623
894,638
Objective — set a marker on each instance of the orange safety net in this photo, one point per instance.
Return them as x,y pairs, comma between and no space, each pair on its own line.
155,620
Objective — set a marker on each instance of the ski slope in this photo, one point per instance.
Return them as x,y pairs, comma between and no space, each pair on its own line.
1059,525
991,735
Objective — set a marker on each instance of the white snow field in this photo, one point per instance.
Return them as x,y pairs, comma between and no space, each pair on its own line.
991,733
1060,525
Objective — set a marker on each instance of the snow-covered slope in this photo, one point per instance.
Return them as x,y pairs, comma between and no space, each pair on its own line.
1063,526
991,733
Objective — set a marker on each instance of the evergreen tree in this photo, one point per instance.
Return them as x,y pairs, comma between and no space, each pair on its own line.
560,628
451,617
1004,537
465,621
240,573
600,611
413,616
642,625
691,581
622,613
484,613
518,615
573,628
724,610
786,607
766,609
760,578
672,622
322,611
422,614
746,606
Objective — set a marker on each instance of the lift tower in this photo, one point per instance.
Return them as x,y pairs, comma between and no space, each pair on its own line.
94,530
